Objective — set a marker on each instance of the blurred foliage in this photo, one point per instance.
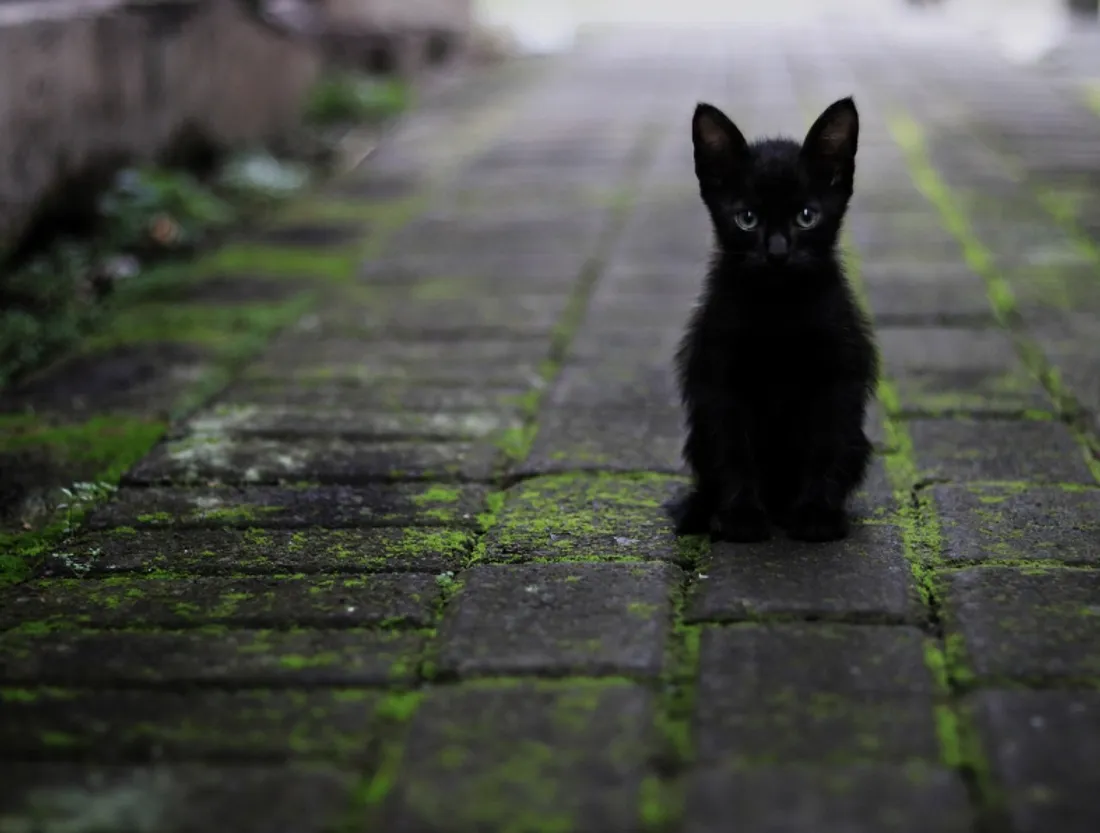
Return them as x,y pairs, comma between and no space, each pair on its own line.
348,98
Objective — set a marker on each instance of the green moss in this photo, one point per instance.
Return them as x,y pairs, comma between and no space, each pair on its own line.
343,97
231,330
338,266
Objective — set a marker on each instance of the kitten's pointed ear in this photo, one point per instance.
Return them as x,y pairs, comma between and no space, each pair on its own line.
830,145
719,145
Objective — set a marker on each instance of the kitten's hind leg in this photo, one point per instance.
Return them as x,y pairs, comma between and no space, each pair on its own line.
692,513
820,513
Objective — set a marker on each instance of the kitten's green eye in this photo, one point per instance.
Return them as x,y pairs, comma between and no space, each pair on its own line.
746,220
807,218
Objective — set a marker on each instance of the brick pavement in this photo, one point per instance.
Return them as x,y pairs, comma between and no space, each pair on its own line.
410,572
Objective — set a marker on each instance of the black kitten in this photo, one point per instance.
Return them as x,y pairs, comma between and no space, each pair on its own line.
777,364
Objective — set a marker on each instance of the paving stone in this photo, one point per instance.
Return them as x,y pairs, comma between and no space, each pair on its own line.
141,726
622,441
586,516
585,387
559,620
822,694
238,658
925,239
125,601
173,798
943,298
853,798
513,268
219,552
396,397
424,316
949,371
528,229
501,363
1023,624
506,756
347,423
1014,522
991,449
280,507
203,459
1043,748
865,577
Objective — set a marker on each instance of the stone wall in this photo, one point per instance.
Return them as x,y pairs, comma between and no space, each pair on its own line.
84,80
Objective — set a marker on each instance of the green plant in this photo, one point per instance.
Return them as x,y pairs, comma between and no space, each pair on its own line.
346,97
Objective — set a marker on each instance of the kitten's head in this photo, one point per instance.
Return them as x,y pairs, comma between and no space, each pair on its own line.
774,202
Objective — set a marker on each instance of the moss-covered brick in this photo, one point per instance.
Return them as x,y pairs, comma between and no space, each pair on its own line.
823,694
289,507
308,798
253,658
379,424
561,620
1042,747
586,517
248,460
522,756
962,450
132,601
1027,625
1017,522
900,798
259,551
258,725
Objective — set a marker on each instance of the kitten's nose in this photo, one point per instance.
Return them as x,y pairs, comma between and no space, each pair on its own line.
777,248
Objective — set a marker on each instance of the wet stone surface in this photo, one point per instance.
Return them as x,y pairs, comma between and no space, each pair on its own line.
487,755
1041,747
176,798
559,620
1014,522
1039,451
1030,625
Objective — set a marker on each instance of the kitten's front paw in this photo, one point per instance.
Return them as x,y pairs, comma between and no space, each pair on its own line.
742,524
812,522
691,514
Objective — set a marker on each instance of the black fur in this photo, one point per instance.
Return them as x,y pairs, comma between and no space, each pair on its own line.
777,364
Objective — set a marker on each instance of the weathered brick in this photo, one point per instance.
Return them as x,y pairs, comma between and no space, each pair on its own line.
394,397
275,507
202,459
302,359
559,619
617,440
585,516
1043,747
251,602
864,577
175,798
821,694
261,551
283,422
951,370
992,449
238,658
858,798
1014,522
1026,625
496,756
118,726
